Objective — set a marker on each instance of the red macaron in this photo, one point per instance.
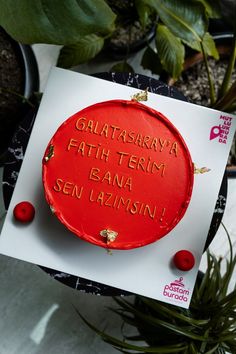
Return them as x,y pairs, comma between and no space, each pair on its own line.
184,260
24,212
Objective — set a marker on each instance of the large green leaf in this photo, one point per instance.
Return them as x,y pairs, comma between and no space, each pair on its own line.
85,49
186,19
208,45
170,50
143,12
151,61
212,7
55,21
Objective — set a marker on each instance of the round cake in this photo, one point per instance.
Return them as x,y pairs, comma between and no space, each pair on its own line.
118,174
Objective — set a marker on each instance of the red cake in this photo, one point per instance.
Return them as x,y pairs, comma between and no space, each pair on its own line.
118,174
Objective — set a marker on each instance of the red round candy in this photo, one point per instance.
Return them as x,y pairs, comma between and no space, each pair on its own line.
24,212
184,260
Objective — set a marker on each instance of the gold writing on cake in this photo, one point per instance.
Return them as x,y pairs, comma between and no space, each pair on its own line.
107,199
113,132
118,157
140,163
118,167
89,150
115,201
112,179
68,188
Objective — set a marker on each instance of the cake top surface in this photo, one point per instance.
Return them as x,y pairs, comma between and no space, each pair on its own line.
118,174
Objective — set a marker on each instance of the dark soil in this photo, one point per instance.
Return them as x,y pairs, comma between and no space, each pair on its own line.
11,85
129,34
194,82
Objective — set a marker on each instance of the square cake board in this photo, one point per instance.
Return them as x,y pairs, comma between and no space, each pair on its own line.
147,270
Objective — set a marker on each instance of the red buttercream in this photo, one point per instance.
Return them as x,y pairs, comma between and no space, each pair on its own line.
121,166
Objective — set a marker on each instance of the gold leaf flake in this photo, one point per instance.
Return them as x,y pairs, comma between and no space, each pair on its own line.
140,96
201,170
52,209
50,153
110,235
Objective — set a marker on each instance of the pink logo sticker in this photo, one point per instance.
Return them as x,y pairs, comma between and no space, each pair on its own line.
176,290
215,132
178,282
222,130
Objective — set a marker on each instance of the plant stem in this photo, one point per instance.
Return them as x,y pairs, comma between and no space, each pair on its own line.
227,100
231,262
211,85
204,344
229,70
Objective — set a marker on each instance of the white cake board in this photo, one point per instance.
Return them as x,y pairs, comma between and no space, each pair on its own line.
147,270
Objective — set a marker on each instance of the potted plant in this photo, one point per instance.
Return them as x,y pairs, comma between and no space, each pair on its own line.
81,27
194,82
131,32
204,78
207,327
86,26
18,81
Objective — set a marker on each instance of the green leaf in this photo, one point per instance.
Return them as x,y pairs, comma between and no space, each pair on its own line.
212,8
122,67
192,349
230,297
186,19
137,338
208,45
55,21
121,344
226,82
143,12
173,313
225,338
155,321
227,100
85,49
151,61
170,50
203,294
213,350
